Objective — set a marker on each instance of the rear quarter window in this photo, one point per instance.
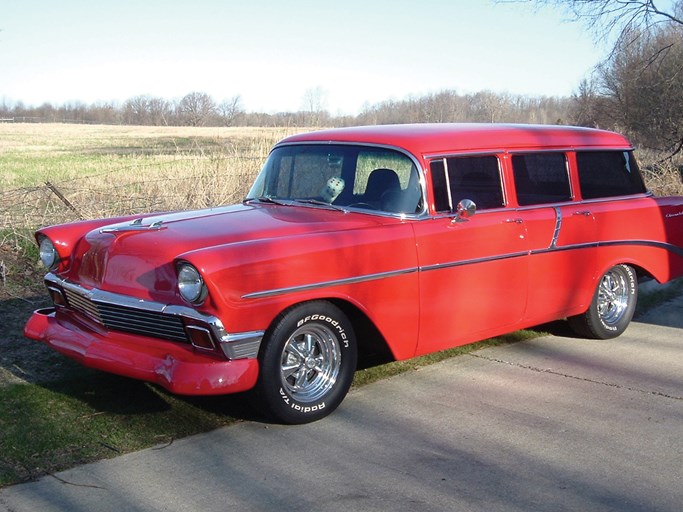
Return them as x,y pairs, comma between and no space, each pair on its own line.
608,174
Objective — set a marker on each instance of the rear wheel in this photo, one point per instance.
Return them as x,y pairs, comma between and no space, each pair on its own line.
612,307
307,363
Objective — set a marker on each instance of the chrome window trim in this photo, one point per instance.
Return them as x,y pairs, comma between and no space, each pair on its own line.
473,152
566,149
594,200
501,180
448,185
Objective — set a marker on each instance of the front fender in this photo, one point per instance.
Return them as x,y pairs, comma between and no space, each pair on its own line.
374,268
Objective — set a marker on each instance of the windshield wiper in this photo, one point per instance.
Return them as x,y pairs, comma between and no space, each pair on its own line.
318,202
265,199
292,202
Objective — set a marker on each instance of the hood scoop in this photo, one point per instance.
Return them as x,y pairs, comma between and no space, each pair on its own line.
136,225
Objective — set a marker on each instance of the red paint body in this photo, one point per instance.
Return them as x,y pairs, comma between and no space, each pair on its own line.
424,280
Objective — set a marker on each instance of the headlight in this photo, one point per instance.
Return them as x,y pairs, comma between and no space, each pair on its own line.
190,284
48,253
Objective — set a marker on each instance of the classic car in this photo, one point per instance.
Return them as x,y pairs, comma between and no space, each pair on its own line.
381,241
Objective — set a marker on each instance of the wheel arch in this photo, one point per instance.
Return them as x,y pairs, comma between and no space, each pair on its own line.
643,270
373,348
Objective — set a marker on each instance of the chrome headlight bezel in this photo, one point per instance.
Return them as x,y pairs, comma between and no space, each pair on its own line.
48,253
191,285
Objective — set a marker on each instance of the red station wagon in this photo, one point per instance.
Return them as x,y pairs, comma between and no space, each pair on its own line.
362,241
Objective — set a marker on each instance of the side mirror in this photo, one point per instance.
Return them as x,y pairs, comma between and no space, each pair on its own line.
465,209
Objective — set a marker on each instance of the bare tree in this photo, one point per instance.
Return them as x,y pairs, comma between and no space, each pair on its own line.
637,89
641,89
146,110
624,18
230,110
196,108
314,105
136,110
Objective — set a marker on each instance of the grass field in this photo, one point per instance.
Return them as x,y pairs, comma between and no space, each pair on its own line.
107,170
103,171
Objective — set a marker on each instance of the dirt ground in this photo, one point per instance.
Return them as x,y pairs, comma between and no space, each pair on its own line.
21,359
22,292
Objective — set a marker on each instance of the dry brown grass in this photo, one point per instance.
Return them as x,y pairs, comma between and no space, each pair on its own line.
111,170
103,171
664,180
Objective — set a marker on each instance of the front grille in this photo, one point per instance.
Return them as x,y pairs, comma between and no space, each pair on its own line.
115,317
82,305
147,323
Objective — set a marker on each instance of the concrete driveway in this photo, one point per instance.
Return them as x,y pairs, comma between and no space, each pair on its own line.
550,424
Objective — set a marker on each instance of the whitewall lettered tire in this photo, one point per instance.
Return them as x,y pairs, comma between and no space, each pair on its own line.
307,362
612,306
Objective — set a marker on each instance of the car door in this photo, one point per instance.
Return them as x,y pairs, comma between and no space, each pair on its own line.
473,271
561,235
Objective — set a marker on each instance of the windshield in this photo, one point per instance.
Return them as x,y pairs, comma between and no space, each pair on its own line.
341,175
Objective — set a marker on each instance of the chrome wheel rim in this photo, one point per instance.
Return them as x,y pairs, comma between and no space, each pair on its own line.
613,297
310,364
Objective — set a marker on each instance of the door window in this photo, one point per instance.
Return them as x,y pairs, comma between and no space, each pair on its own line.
467,177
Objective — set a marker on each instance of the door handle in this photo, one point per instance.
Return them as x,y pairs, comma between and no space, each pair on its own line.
516,221
585,213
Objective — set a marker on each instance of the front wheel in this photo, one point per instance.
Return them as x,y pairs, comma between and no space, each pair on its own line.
612,307
307,362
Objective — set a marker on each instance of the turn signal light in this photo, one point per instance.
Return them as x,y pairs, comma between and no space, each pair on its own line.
200,337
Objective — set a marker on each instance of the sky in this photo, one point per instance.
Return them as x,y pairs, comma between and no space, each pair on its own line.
272,54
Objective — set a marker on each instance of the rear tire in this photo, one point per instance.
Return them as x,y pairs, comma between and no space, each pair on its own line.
612,306
307,362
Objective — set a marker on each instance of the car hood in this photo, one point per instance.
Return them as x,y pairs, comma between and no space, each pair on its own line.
137,258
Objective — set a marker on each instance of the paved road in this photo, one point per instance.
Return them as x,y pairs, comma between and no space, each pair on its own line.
550,424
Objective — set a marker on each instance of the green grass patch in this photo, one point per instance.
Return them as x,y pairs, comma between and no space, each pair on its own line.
51,427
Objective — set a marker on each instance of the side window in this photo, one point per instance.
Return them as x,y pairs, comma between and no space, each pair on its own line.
476,178
541,178
467,177
608,174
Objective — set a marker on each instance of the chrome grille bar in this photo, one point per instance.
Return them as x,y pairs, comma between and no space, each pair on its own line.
156,325
82,305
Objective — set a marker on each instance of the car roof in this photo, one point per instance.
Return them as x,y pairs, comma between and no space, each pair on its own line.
443,138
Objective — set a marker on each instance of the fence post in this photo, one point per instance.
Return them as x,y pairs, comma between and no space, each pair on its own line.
64,199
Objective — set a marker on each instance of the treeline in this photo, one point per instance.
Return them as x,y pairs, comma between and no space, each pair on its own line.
200,109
